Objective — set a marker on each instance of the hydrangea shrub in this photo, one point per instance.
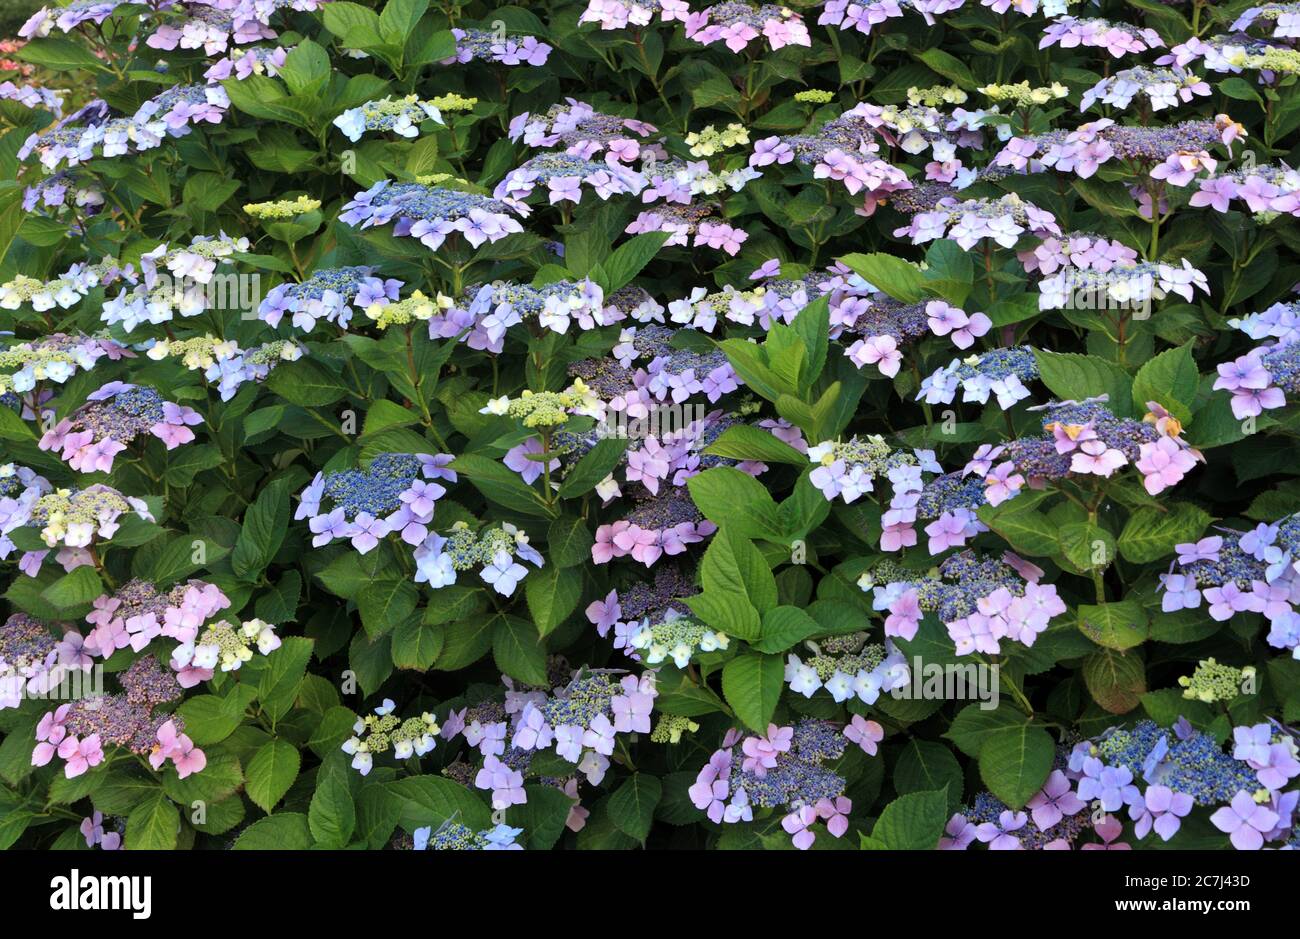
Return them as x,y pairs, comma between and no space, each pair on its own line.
648,423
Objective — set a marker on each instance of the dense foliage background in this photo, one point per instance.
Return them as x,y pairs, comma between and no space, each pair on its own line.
972,326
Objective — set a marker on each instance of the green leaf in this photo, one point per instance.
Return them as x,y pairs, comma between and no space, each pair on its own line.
519,651
680,695
386,604
900,279
594,466
628,259
42,232
784,627
975,725
334,728
632,805
912,822
467,641
751,364
306,68
287,831
1168,704
927,766
812,325
61,55
384,415
188,462
153,825
77,588
416,645
13,822
1012,310
271,772
733,565
280,603
752,684
12,426
1072,376
398,19
1015,762
1182,626
211,718
370,661
1087,545
358,26
1240,89
568,542
744,442
950,272
736,502
1026,530
804,510
208,191
1216,425
1169,379
332,816
263,531
305,383
222,816
1111,199
377,814
431,800
728,611
552,595
1116,680
949,66
1119,625
455,602
1151,533
503,486
278,685
542,817
349,573
218,781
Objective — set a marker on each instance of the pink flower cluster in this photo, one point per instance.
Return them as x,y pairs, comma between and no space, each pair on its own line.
180,749
676,459
859,15
244,63
35,675
859,173
961,327
587,131
243,22
53,739
1002,221
736,23
835,812
646,545
1082,251
113,629
90,446
1001,482
619,14
1164,463
1119,39
1251,385
1162,88
711,233
1263,189
1089,453
880,351
92,828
